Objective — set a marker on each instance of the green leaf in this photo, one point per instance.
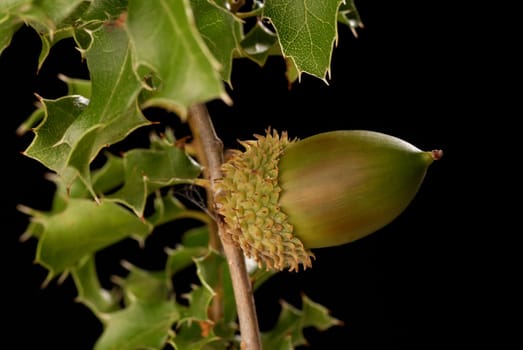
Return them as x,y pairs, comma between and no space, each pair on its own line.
107,178
104,9
182,257
349,15
259,43
143,285
32,121
77,86
194,244
220,30
168,208
83,228
199,300
141,325
191,336
306,31
90,292
147,170
213,272
59,114
112,113
196,237
317,316
8,27
292,322
168,47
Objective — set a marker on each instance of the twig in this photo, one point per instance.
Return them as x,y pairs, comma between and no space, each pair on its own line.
211,153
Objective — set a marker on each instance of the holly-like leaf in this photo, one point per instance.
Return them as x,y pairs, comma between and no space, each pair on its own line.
199,299
194,244
75,129
9,25
259,43
59,114
213,272
220,30
292,321
143,285
83,228
112,113
90,291
141,325
147,170
168,46
306,31
104,10
349,15
194,336
77,86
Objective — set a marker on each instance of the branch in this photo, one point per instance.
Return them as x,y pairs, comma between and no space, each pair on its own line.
210,149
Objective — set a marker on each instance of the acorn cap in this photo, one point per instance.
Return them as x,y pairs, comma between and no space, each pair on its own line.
280,198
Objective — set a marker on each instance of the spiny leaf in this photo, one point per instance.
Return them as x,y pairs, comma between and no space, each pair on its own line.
8,27
147,170
90,291
259,43
112,112
141,325
194,244
104,10
83,228
77,86
59,114
292,322
143,285
105,179
213,272
220,30
349,15
199,299
168,47
193,336
75,129
168,208
306,31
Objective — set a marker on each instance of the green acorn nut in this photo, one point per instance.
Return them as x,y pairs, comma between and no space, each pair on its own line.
280,198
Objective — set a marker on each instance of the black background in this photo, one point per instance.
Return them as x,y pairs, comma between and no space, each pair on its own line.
408,285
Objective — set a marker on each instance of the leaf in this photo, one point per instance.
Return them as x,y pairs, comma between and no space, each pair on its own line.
191,336
182,257
259,43
90,292
167,46
220,30
59,114
112,113
77,86
292,321
213,272
141,325
143,285
194,244
306,31
83,228
349,15
147,170
199,300
104,9
168,208
8,27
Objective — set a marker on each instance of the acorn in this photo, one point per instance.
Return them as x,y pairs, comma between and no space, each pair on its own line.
279,198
